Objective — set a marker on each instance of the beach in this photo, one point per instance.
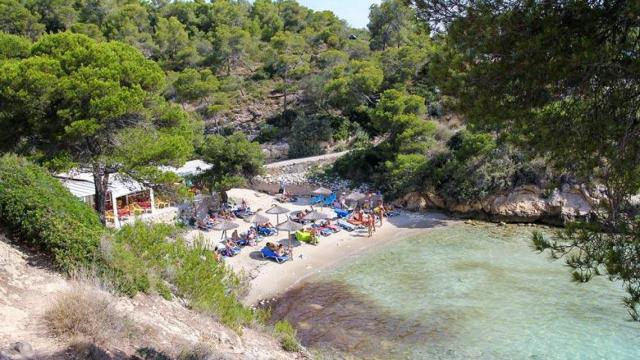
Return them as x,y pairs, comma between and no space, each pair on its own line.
268,279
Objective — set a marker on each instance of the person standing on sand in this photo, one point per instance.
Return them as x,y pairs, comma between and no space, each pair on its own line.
370,225
380,212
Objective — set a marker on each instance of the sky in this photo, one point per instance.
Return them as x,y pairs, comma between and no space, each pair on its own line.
356,12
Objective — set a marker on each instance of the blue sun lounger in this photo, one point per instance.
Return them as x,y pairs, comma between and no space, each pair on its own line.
342,213
265,231
317,199
270,254
345,225
329,200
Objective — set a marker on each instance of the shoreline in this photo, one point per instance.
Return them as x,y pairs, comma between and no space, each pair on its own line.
268,279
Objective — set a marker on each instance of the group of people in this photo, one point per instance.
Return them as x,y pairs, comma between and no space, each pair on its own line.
369,213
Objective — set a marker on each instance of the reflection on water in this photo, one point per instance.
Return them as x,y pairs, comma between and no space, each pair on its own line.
461,292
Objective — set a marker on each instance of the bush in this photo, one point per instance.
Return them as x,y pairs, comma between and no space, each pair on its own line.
43,213
475,167
269,133
154,257
287,335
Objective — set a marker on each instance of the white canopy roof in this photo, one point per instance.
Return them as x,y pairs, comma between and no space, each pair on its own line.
190,168
81,184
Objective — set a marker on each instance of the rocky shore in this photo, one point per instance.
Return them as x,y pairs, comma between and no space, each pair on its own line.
526,204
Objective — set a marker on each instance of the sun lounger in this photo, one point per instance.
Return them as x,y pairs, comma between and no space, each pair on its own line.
317,199
342,213
242,242
266,231
345,225
270,254
242,213
230,252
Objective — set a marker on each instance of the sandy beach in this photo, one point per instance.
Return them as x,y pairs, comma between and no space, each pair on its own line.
269,279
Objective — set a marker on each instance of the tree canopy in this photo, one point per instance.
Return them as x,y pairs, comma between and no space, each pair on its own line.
95,104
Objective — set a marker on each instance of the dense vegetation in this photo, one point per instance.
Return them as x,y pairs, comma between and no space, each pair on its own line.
155,258
37,208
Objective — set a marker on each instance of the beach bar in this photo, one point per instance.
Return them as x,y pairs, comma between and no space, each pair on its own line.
125,197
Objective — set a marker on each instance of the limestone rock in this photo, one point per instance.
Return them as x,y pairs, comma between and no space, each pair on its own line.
414,201
524,203
434,200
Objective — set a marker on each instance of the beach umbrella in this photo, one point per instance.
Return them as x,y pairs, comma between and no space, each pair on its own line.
322,191
277,210
315,215
289,226
356,196
225,225
257,218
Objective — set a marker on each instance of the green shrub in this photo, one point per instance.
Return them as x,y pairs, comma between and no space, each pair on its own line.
148,257
269,133
42,212
287,334
289,343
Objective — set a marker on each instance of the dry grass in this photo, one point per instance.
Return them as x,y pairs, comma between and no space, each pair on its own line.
199,351
86,313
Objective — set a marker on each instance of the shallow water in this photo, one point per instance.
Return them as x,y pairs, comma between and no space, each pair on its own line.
461,292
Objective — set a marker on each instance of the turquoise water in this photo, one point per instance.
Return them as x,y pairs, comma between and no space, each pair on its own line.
461,292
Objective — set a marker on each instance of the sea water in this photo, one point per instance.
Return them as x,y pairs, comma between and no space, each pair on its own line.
461,292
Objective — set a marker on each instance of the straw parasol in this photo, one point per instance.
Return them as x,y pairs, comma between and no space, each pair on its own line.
356,196
322,191
289,226
257,218
277,210
315,215
225,225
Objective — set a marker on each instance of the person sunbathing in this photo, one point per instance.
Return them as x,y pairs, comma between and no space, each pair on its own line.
230,244
267,225
235,237
281,250
358,218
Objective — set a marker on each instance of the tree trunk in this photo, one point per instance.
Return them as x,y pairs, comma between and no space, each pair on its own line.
224,197
101,184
